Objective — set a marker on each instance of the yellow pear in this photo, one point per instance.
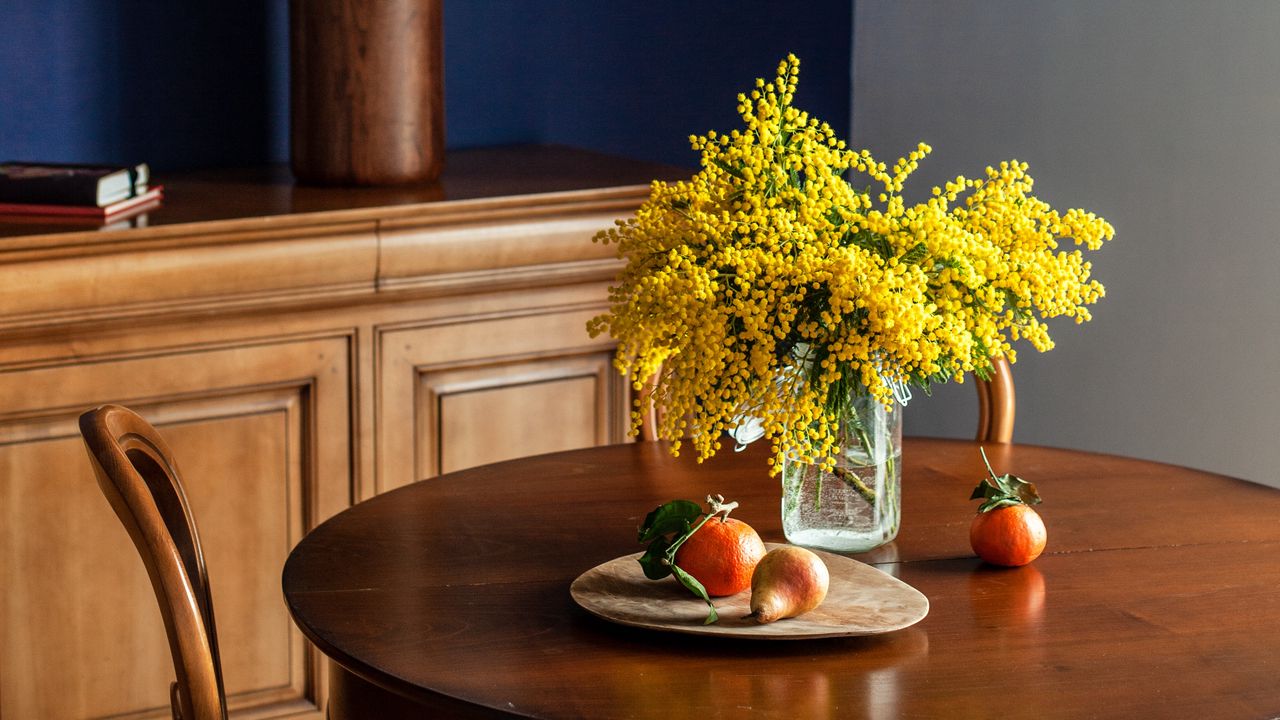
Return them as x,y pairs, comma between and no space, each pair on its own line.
788,581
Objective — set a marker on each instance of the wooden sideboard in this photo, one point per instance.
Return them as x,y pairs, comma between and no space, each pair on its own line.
325,345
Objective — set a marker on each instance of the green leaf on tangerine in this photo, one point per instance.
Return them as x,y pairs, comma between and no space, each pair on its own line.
672,517
696,588
1023,490
1003,490
654,561
996,504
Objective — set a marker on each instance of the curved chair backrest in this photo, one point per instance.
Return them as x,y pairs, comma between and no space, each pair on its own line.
996,403
137,473
995,406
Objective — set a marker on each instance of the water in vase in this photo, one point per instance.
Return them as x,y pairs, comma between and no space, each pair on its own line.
854,508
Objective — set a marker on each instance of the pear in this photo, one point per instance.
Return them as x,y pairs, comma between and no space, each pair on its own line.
788,581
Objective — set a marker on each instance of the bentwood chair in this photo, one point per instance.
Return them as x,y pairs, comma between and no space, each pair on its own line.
139,477
995,406
996,403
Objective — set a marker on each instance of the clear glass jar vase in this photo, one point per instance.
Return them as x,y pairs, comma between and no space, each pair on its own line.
857,506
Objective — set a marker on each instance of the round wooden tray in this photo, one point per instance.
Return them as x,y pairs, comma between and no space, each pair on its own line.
861,600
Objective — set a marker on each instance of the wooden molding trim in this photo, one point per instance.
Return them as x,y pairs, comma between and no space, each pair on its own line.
622,199
295,263
417,251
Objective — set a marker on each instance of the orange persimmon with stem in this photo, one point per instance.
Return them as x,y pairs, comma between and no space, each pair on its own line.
1007,530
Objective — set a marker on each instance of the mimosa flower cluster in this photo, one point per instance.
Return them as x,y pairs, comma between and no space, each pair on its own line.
772,285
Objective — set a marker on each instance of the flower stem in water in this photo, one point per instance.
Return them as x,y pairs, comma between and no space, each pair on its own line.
852,480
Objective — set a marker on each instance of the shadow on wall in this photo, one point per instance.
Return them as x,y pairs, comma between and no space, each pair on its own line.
213,89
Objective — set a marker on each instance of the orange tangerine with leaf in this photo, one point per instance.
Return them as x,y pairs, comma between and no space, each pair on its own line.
722,555
709,553
1007,530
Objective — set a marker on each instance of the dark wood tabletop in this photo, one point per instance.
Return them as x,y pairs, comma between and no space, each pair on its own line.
1158,596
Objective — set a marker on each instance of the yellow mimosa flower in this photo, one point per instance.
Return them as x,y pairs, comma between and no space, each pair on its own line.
768,285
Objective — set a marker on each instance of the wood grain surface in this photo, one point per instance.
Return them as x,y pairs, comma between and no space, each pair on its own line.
1155,598
366,91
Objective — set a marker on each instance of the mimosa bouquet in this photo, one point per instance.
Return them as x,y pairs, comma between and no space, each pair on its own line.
789,274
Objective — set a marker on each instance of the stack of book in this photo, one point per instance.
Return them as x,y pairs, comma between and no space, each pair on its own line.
91,192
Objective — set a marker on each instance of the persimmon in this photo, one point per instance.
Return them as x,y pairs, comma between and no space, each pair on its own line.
722,555
1007,530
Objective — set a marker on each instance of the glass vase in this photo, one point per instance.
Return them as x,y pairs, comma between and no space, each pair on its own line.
856,506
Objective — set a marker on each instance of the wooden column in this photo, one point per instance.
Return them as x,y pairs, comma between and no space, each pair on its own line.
367,91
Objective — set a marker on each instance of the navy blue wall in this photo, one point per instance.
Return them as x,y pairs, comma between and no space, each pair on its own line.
187,84
204,83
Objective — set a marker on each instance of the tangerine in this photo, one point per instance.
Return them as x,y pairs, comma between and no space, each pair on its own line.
722,555
1011,536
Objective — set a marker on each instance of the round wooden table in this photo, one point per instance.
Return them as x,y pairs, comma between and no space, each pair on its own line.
1157,596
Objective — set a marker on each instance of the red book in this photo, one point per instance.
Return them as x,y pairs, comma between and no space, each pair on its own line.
138,203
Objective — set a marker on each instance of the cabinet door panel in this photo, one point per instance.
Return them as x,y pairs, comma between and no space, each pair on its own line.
564,415
458,395
80,632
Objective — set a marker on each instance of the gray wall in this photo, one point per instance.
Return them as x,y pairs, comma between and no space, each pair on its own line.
1161,116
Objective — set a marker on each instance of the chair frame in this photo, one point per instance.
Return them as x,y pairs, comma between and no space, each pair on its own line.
996,405
137,473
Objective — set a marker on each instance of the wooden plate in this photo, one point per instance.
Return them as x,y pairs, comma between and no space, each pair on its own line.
861,600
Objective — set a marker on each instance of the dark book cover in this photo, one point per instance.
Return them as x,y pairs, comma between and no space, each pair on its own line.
148,200
68,184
